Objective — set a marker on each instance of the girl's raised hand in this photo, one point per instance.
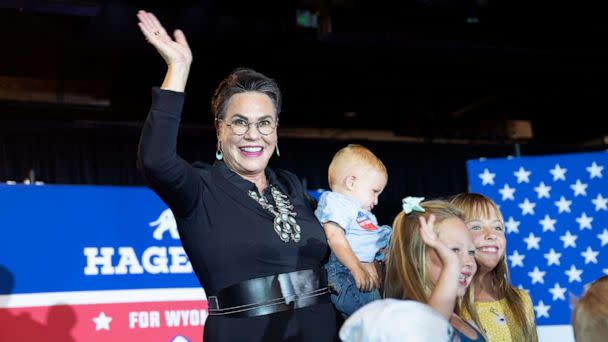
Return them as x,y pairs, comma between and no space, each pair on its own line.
428,235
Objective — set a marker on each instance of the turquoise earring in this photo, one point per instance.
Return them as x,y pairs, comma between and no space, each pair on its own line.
219,155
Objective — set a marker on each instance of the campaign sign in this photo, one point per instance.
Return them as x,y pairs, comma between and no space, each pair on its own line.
555,209
94,263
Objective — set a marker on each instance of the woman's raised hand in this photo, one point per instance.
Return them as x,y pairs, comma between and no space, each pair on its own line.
173,51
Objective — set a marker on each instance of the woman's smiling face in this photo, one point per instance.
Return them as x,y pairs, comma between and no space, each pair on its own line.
248,154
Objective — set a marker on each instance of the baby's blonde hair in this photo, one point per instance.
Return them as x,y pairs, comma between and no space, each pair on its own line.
352,157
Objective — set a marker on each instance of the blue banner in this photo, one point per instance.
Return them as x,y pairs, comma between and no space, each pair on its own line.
75,238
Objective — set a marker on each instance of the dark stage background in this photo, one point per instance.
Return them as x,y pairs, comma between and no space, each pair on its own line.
456,77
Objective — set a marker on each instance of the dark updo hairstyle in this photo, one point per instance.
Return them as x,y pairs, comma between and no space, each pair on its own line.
244,80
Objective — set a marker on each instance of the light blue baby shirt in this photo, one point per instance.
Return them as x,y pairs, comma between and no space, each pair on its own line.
361,228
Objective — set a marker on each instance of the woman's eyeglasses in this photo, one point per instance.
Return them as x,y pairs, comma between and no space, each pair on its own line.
241,126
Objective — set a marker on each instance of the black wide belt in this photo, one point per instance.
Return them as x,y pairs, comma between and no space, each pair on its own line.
270,294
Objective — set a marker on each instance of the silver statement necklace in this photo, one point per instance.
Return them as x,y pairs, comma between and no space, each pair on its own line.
284,218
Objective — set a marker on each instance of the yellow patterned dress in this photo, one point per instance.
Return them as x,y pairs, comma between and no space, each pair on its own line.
496,318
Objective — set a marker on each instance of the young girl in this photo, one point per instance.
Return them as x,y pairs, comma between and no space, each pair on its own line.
439,275
505,313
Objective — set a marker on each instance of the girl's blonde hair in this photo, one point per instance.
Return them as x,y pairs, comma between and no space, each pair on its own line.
406,265
476,206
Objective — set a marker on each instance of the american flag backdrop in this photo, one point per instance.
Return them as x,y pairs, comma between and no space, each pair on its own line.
556,221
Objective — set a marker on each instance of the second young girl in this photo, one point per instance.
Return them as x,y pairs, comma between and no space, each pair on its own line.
505,312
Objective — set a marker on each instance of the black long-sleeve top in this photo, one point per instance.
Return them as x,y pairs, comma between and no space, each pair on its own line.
227,235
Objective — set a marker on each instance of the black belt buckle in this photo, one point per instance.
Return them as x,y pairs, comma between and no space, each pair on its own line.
212,303
332,289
